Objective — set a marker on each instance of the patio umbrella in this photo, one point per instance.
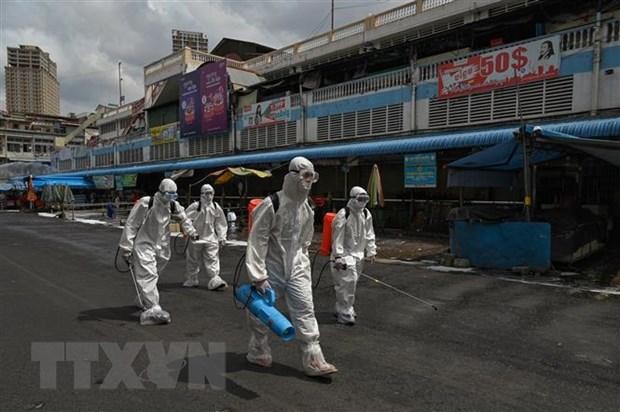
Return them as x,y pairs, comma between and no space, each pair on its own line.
375,188
226,175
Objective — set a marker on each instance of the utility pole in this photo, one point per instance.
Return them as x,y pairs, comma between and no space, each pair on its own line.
332,16
121,98
527,193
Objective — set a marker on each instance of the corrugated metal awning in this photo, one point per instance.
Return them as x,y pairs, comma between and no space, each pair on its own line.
596,129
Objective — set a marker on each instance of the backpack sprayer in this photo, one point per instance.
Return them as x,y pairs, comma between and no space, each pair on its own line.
262,306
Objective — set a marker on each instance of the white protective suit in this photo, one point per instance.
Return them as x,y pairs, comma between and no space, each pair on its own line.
277,252
145,242
210,223
351,237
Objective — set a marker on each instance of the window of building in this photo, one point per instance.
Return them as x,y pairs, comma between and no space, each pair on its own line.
13,147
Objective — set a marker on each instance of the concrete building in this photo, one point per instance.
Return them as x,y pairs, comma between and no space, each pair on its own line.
192,39
429,81
31,81
32,137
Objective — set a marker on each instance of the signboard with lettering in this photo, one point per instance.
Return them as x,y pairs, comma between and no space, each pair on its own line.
421,170
203,97
267,112
506,67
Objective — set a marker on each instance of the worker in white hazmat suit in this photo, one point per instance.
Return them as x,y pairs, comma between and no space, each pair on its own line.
211,225
277,257
352,236
145,245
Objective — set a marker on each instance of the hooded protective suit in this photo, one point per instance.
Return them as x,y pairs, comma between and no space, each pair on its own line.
210,223
277,256
351,237
145,242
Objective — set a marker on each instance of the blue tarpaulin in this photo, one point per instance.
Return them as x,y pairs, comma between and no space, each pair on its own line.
505,156
608,150
39,182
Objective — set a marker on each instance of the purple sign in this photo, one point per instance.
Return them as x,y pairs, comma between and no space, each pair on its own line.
214,97
190,107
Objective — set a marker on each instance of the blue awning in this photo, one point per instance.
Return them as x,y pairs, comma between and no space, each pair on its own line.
598,128
7,187
608,150
39,182
505,156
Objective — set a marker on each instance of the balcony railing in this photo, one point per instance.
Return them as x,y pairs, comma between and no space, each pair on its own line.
286,54
368,84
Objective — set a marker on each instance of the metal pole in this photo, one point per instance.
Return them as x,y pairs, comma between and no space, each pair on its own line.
596,61
332,16
120,84
527,198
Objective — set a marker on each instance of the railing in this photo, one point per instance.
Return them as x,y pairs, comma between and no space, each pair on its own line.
347,31
195,55
207,57
431,4
393,15
287,53
165,62
367,84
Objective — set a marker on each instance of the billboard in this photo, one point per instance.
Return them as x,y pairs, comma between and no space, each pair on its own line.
189,105
267,112
164,134
506,67
214,92
125,181
104,182
203,97
421,170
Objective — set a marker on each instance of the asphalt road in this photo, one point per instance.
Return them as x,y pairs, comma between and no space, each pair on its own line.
492,345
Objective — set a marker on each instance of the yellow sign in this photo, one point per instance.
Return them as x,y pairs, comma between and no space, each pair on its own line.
164,134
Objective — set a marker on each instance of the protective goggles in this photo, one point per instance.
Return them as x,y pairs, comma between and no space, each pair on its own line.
170,195
307,175
362,197
207,192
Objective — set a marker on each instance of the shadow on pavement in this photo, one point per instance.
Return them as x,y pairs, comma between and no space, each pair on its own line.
129,313
236,362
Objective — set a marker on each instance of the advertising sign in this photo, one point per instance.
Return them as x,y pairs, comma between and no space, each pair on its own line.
125,181
510,66
190,110
421,170
203,97
164,134
214,92
104,182
267,112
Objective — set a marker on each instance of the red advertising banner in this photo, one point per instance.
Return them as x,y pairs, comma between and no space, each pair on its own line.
522,63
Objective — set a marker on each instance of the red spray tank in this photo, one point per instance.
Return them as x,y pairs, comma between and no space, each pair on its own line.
326,238
251,206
